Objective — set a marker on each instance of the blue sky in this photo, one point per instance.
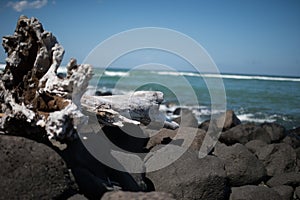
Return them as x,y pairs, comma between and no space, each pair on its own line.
242,36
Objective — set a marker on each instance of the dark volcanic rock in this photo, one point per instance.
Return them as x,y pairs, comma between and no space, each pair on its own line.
242,167
77,197
92,176
231,120
297,192
251,192
275,131
298,153
31,170
285,192
176,137
90,185
177,111
204,125
255,145
198,139
278,158
191,178
130,138
120,195
291,179
243,133
293,138
163,136
186,119
298,157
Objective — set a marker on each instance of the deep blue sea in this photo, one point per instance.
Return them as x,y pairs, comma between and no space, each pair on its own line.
253,98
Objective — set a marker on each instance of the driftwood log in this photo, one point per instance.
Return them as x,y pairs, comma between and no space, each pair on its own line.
33,98
37,103
141,107
32,95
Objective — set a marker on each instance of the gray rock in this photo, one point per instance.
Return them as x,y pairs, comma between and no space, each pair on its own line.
166,136
90,185
285,191
92,176
298,157
192,178
255,145
31,170
204,125
187,118
293,138
298,153
186,133
120,195
242,167
77,197
278,158
163,136
198,139
244,133
177,111
130,137
231,120
275,131
297,192
291,179
251,192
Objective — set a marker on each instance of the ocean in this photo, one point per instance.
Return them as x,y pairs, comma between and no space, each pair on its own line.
254,98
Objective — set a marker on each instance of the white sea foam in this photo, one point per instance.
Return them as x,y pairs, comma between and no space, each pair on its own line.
177,73
251,77
228,76
2,66
251,118
203,113
117,73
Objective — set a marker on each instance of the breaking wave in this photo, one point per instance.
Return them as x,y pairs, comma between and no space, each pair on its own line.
229,76
116,73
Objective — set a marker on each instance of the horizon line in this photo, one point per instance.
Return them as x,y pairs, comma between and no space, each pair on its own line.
2,66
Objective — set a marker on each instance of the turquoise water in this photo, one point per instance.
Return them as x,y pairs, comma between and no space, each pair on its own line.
253,98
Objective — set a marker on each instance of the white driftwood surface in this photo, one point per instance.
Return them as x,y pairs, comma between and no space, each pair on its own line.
37,103
35,99
137,107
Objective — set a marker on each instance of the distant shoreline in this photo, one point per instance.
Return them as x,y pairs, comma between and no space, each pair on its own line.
222,73
212,75
205,74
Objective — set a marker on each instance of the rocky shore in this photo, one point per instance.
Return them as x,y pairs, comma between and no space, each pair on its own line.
43,154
